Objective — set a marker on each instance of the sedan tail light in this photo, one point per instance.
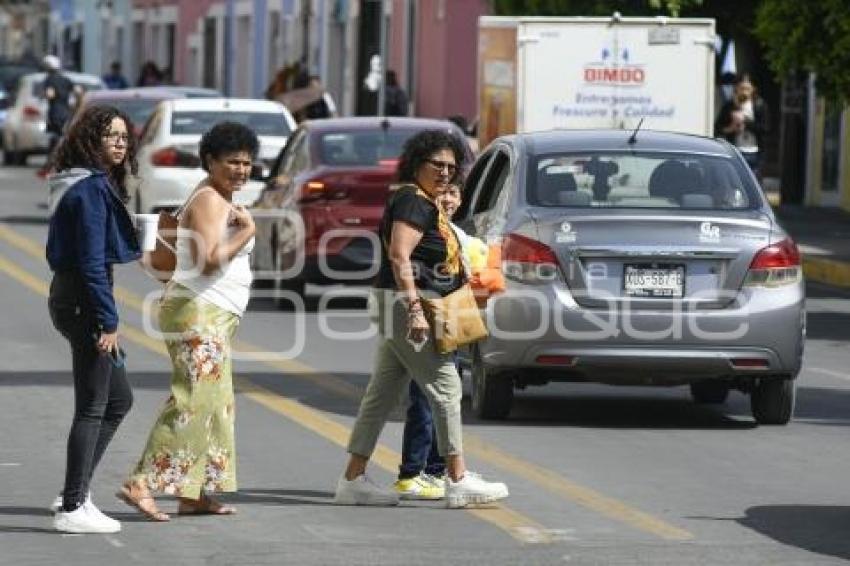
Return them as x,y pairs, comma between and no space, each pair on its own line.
776,265
317,189
31,112
173,157
527,260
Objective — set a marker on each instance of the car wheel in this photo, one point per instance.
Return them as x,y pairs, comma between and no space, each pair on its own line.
21,158
772,401
9,157
273,266
492,395
709,392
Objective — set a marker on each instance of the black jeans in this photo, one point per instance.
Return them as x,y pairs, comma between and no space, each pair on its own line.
419,444
102,395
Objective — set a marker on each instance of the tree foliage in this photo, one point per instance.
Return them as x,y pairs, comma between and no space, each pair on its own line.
590,7
810,36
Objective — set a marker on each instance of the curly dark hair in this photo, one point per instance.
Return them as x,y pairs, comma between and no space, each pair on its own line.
421,147
82,146
227,137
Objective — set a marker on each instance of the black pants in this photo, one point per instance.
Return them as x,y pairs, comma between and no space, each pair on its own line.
102,395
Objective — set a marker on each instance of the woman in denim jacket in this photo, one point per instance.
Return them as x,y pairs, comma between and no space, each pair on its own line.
90,231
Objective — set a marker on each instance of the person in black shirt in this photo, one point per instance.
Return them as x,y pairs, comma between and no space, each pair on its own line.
420,254
57,90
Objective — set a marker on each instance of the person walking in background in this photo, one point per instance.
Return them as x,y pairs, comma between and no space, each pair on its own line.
324,106
395,103
190,452
114,79
150,75
419,253
89,232
743,122
57,91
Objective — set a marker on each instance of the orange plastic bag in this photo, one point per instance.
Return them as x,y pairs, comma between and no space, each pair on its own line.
489,280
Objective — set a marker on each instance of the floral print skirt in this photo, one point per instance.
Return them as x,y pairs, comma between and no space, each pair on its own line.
191,448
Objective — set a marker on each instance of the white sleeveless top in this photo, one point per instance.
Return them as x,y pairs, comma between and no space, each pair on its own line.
229,287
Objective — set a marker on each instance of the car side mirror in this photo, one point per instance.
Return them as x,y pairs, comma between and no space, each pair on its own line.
259,172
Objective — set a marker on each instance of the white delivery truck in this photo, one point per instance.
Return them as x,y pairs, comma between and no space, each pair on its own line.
546,73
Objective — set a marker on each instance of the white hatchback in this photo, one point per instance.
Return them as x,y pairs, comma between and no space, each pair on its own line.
25,128
169,167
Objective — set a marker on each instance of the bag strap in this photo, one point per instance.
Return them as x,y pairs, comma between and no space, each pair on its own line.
179,213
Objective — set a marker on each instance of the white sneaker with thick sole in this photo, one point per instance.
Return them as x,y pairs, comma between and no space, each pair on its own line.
363,491
83,521
472,489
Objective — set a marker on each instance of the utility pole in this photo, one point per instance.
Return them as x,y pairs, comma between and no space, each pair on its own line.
386,11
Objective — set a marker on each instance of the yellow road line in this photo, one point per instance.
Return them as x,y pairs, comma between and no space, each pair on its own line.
474,446
828,271
520,527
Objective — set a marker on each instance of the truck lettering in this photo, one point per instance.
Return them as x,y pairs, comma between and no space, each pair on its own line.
615,75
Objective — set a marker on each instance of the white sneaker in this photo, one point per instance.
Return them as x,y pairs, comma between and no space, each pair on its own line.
57,503
472,489
92,510
83,520
363,491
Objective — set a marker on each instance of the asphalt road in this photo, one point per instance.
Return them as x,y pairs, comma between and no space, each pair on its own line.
598,475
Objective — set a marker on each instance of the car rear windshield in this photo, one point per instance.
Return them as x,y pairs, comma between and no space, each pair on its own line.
362,147
640,180
137,110
263,123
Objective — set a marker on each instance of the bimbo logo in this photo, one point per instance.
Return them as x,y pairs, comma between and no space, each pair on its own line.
609,72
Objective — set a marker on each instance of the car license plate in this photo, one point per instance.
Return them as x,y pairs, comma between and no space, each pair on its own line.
654,280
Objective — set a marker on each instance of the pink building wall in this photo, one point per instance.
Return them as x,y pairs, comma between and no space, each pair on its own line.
188,15
446,63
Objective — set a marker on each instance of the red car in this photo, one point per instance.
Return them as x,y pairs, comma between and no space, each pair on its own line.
317,217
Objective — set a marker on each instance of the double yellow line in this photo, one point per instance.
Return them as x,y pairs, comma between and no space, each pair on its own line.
517,525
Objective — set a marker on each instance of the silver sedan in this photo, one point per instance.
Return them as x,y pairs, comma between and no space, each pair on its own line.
651,259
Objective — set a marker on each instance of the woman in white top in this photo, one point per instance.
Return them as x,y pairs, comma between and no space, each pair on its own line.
190,451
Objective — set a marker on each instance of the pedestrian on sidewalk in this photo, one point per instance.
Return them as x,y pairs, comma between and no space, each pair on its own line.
57,91
89,232
743,122
419,253
190,451
114,79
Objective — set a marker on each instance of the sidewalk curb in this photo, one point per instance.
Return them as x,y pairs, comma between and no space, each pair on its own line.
828,271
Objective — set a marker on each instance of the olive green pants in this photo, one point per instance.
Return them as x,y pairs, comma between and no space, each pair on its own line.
396,362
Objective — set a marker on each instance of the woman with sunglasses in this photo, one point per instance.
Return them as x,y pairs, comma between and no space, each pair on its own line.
90,231
419,254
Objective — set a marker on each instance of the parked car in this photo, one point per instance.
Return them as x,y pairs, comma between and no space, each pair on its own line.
645,260
318,215
9,73
137,103
188,91
25,128
169,167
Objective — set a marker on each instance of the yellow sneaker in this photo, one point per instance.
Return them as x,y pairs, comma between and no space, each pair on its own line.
419,488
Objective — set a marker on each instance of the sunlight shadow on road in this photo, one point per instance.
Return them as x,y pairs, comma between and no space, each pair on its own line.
817,528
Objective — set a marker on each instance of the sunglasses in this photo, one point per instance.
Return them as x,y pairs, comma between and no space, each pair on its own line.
450,168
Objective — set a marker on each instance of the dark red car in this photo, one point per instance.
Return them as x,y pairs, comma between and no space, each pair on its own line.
318,215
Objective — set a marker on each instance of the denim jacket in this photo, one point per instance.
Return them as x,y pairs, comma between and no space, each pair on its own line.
89,231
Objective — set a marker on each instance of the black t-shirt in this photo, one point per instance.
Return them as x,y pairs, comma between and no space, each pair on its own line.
429,257
59,107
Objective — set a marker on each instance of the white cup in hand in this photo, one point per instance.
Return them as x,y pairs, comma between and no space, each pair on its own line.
146,226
